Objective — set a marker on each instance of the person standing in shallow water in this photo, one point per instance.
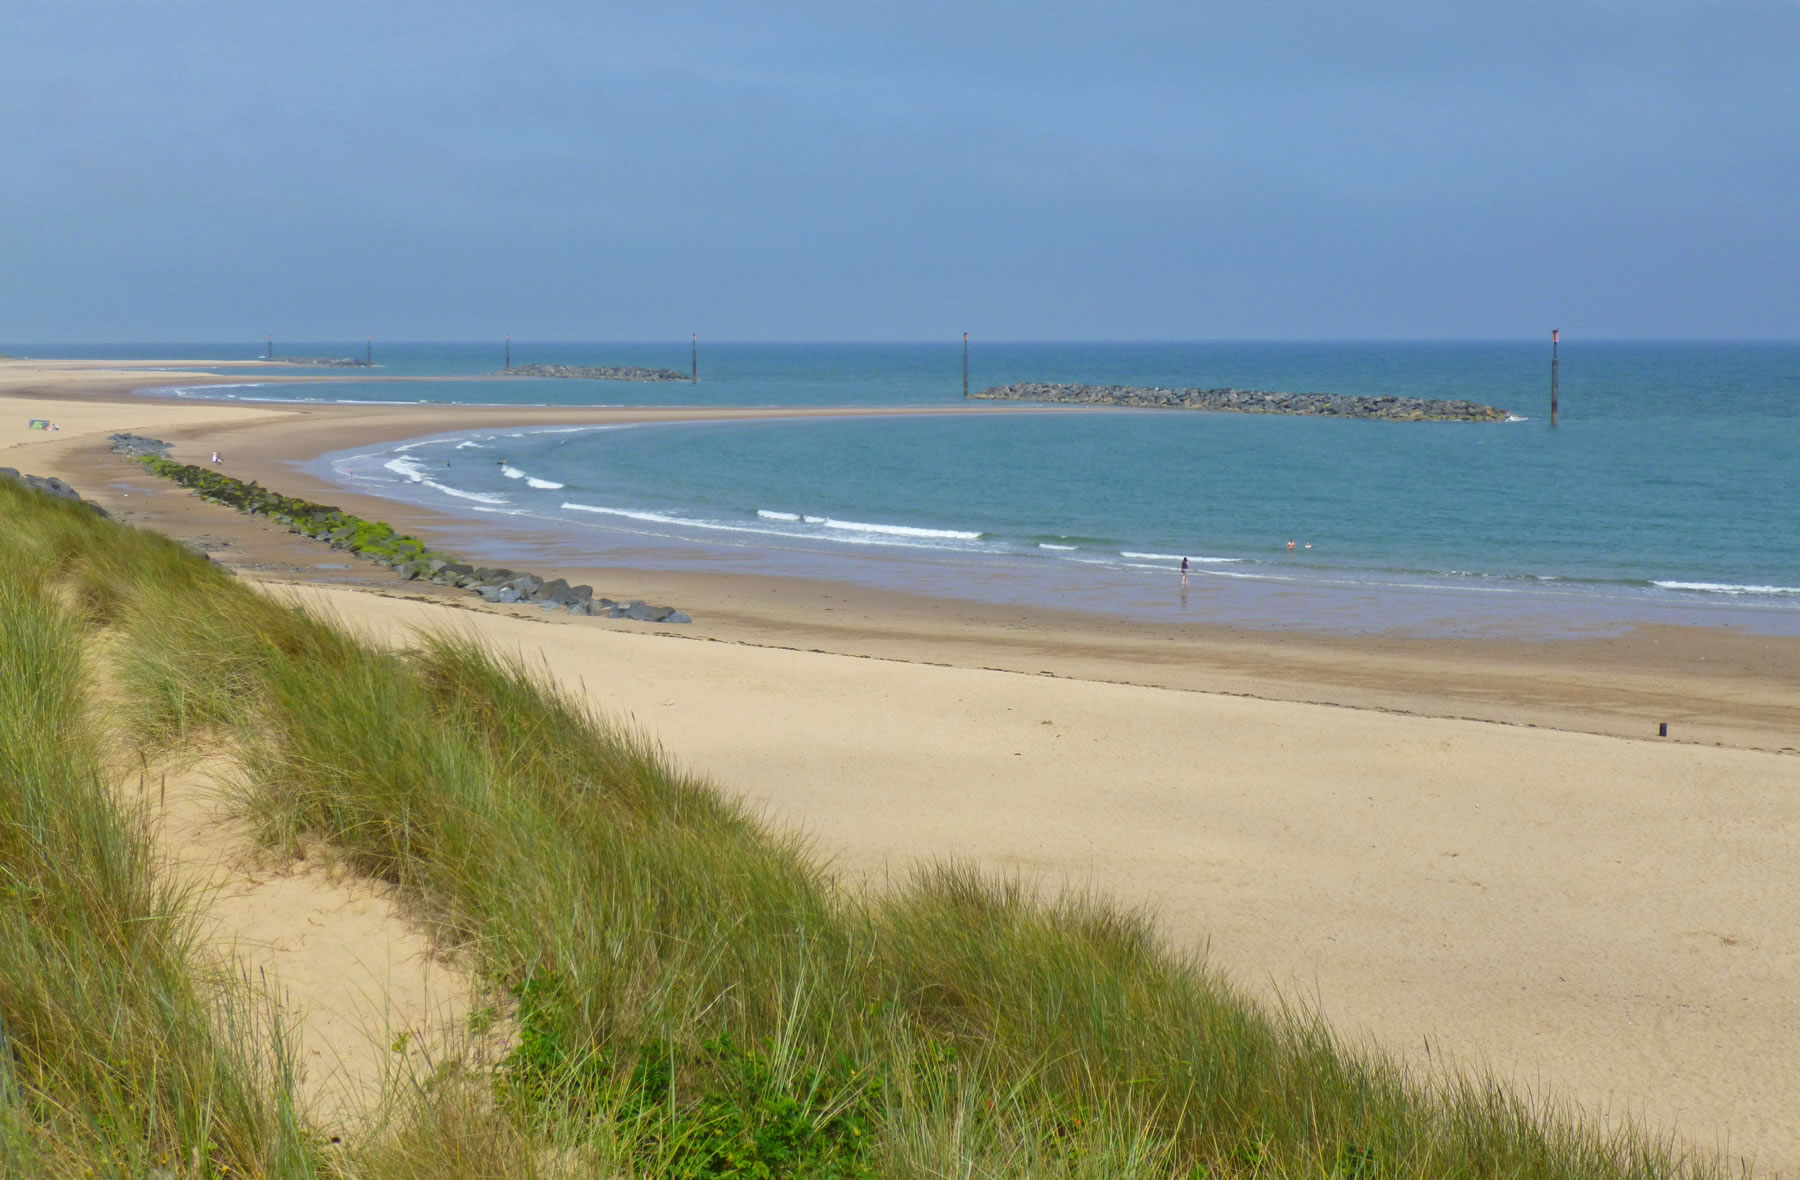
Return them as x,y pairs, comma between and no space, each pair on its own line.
1184,569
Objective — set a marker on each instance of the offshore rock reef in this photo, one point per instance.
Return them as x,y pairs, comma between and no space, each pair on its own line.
594,372
328,362
1249,401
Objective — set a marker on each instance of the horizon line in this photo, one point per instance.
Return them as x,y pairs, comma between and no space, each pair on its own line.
951,340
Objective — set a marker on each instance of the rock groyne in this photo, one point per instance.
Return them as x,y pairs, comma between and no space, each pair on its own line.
1249,401
327,362
379,542
595,372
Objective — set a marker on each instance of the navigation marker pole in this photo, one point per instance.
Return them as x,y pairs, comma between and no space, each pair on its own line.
270,355
369,352
694,357
965,364
509,354
1555,336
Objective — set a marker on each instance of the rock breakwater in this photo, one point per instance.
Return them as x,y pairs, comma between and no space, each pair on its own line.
1249,401
328,362
594,372
379,542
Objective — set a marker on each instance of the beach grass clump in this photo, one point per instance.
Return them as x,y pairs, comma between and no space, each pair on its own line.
122,1050
688,992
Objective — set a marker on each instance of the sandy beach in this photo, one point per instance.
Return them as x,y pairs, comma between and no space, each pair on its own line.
1470,851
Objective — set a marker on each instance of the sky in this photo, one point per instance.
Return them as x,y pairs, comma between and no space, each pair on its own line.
1291,169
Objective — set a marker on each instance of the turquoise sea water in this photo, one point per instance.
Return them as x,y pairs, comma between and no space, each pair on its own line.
1669,490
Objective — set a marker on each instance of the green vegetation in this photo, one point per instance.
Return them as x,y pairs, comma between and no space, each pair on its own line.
119,1053
687,993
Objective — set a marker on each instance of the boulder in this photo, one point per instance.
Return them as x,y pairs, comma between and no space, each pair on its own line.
676,616
52,486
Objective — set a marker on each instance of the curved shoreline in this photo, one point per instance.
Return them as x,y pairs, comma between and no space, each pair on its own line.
1009,571
1627,683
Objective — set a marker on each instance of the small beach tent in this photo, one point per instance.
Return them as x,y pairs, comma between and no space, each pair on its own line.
39,424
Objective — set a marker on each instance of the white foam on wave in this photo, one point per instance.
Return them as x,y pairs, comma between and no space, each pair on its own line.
459,493
1517,418
656,517
766,514
1728,588
206,390
410,470
900,530
1192,560
848,531
463,446
1063,548
512,472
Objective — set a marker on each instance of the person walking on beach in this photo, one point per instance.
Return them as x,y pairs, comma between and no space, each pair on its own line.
215,457
1184,571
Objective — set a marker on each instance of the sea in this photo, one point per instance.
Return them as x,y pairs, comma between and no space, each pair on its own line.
1668,491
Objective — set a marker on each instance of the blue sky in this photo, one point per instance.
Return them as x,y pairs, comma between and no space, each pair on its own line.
1287,169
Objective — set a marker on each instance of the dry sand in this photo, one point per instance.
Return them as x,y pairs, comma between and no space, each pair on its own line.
1600,919
1604,919
373,1004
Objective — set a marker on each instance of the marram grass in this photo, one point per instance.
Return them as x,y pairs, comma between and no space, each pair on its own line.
122,1051
687,992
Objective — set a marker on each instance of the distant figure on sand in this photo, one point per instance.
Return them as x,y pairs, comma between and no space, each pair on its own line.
215,457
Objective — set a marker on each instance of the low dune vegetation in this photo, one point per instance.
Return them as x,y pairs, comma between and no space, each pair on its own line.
679,989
